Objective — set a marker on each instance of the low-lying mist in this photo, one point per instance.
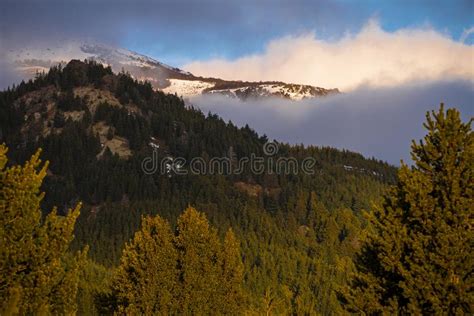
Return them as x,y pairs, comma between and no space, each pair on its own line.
375,122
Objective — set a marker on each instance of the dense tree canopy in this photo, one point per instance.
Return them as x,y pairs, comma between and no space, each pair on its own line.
293,237
188,273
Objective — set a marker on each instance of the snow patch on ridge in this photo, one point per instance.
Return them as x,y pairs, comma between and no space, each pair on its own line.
187,88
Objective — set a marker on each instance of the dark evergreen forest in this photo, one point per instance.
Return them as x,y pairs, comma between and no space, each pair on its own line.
298,233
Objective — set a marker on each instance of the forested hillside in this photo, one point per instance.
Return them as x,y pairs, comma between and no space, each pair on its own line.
298,233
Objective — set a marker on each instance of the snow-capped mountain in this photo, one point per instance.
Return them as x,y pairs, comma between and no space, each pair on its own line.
161,76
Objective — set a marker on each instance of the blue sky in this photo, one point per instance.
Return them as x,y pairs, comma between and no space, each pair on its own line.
254,23
178,32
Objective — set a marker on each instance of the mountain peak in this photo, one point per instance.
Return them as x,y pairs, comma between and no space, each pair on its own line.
161,76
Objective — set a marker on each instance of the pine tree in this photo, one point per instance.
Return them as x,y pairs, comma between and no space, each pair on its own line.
190,272
232,275
419,257
110,133
147,277
199,249
34,277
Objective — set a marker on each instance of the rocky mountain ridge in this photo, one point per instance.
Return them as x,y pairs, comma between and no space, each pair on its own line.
161,76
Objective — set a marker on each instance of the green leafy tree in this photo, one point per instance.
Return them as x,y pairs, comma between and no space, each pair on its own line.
419,257
34,276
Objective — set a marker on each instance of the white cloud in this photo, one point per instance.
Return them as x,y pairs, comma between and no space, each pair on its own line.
373,57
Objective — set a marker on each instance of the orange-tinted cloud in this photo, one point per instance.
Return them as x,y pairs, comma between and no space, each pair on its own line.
372,57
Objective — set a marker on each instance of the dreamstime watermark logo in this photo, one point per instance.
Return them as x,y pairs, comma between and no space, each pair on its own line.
268,163
270,148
